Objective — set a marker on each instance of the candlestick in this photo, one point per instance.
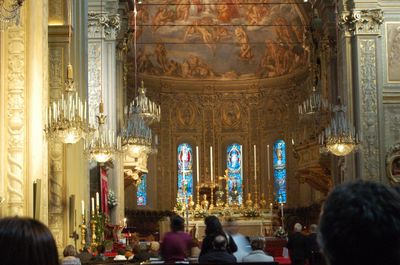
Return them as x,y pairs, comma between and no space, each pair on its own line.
83,230
93,209
211,165
255,164
83,207
282,218
197,165
97,200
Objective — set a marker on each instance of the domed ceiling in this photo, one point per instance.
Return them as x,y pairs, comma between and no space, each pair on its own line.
218,40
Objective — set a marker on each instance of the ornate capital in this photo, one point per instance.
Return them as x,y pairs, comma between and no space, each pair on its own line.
362,21
103,25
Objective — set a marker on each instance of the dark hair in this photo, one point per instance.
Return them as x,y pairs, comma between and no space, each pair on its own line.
360,224
258,243
24,241
177,223
101,249
213,226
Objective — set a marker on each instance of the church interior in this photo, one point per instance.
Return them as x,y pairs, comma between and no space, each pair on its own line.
119,113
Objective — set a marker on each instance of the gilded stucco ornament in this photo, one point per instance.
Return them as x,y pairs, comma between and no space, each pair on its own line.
103,25
362,21
393,164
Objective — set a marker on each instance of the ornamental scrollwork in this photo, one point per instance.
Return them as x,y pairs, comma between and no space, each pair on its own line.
362,21
393,164
103,25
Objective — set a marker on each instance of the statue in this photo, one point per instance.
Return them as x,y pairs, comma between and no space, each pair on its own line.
249,202
204,202
191,202
220,194
263,202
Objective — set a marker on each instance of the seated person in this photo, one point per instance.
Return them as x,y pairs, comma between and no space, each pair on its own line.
70,256
154,249
100,253
218,254
257,254
176,244
121,255
360,224
85,256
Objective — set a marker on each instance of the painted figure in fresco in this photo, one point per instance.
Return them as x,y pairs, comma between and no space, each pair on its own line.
182,9
267,67
243,40
198,31
162,17
161,54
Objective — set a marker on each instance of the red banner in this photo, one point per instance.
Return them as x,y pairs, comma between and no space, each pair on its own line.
104,190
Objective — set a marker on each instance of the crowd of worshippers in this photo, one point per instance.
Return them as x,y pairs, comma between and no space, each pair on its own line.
359,224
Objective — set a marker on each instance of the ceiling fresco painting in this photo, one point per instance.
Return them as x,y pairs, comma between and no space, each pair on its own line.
219,40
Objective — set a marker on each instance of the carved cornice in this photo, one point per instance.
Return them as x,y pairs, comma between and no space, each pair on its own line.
356,22
103,25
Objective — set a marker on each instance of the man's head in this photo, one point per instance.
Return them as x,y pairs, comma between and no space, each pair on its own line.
219,243
177,223
297,227
360,224
258,243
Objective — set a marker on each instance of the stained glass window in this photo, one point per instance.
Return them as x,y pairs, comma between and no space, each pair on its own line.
141,193
279,160
234,165
185,174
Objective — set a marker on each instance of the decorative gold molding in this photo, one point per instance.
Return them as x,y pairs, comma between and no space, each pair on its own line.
16,120
366,21
103,25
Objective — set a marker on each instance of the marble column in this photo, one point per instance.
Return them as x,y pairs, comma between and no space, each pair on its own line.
103,27
363,28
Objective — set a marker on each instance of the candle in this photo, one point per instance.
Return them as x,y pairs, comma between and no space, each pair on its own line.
255,164
269,171
241,161
197,164
92,206
125,222
211,165
97,200
282,210
83,207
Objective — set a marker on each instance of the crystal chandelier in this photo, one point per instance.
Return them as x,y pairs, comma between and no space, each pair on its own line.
137,137
67,119
9,12
148,110
314,104
340,137
102,145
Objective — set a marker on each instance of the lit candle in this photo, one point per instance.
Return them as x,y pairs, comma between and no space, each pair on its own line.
269,172
197,165
125,222
92,206
83,207
97,200
211,165
255,164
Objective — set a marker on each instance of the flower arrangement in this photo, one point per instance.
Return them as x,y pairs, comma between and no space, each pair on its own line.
200,213
251,213
112,199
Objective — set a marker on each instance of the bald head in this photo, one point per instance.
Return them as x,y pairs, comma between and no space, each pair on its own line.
219,242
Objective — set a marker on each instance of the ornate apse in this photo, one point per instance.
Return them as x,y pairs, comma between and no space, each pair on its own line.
223,73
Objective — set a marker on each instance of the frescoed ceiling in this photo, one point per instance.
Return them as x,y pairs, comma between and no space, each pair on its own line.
219,39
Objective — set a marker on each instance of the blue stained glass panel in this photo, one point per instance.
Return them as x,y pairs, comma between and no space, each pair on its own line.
279,163
185,173
141,193
235,181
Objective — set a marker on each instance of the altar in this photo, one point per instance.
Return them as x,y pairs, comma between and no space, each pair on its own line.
251,227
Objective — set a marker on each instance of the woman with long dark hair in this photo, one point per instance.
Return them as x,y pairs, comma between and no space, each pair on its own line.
25,241
213,229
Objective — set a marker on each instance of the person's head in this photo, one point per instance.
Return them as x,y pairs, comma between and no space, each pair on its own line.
213,225
231,226
100,249
360,224
297,227
219,242
313,228
69,251
258,243
26,241
154,246
177,223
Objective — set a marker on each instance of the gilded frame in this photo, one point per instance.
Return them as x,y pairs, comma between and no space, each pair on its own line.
393,164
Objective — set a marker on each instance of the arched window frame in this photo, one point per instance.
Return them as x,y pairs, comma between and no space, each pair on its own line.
235,172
